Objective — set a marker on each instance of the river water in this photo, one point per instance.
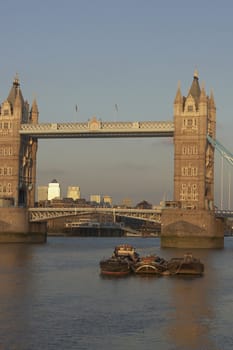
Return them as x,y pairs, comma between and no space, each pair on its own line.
53,297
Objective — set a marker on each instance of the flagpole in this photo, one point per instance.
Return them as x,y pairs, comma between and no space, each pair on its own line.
76,109
116,109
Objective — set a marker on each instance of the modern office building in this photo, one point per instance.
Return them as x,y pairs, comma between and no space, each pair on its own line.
42,193
127,202
107,200
54,190
73,192
95,198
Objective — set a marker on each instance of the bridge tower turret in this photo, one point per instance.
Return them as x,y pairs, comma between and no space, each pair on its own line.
194,118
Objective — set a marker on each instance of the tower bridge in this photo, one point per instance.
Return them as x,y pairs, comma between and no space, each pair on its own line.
192,222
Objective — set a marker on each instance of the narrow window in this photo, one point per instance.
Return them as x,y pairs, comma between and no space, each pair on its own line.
9,187
190,108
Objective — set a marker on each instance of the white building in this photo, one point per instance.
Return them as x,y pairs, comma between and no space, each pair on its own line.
73,192
54,190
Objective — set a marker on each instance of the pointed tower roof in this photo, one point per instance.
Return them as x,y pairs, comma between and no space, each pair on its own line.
15,90
178,98
18,100
195,90
212,101
203,93
34,106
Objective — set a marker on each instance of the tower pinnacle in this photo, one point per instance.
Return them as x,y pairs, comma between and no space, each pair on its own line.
16,80
195,75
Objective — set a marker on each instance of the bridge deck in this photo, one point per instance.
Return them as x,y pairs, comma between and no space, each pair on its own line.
96,128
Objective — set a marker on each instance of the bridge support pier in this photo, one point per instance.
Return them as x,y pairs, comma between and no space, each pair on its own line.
182,228
15,227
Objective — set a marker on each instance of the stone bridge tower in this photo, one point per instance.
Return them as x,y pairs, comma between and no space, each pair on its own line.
17,154
194,118
17,165
192,222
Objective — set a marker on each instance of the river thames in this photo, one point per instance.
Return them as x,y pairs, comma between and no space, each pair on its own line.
53,297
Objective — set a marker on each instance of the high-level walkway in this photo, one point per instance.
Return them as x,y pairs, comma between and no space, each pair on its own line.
97,128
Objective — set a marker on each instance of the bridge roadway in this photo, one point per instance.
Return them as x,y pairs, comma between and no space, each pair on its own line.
44,214
152,215
96,128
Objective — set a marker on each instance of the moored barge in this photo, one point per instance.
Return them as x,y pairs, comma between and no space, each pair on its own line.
152,264
115,266
187,265
121,262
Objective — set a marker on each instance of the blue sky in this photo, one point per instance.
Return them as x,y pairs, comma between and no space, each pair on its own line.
131,53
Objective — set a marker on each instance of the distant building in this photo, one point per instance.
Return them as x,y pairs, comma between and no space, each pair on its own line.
73,192
54,190
107,200
95,198
143,205
127,203
42,193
